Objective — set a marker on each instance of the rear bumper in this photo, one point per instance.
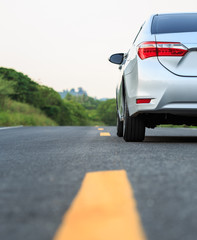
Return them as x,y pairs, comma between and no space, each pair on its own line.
168,93
183,109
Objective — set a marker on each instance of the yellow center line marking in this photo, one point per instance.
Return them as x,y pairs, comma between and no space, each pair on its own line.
104,209
105,134
100,129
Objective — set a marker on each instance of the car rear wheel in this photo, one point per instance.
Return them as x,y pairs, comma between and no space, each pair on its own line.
119,126
133,127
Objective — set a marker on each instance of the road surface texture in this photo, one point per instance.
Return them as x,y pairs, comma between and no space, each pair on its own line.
41,170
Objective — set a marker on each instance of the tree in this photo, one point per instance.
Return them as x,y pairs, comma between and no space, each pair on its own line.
76,113
24,88
6,89
107,111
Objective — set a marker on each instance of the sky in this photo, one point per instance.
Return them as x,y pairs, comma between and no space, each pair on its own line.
66,44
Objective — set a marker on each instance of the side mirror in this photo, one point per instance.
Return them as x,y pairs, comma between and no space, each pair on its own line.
117,58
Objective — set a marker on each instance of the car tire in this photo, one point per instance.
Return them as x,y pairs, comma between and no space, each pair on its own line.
119,127
133,127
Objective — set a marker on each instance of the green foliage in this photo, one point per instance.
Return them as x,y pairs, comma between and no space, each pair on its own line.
107,112
70,97
24,89
15,119
89,110
50,102
6,88
16,113
84,100
76,113
73,110
47,97
94,118
28,91
97,112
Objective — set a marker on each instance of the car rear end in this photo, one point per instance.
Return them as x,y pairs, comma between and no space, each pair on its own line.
166,69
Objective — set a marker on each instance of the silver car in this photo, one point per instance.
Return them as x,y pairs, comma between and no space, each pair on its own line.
159,76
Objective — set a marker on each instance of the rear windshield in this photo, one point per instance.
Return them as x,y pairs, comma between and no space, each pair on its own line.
174,23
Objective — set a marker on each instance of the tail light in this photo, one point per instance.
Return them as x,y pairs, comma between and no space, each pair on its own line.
154,49
143,100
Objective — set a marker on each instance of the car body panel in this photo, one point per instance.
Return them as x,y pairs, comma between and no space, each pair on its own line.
186,65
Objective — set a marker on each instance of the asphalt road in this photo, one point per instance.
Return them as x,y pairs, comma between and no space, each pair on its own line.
41,170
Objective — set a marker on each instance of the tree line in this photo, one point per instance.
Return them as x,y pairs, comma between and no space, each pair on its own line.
72,110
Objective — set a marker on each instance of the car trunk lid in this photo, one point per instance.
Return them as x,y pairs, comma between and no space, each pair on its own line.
185,65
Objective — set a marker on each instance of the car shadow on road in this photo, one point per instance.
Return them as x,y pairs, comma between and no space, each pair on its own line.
174,139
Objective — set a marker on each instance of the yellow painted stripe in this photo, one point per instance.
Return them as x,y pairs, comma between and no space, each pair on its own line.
100,129
105,134
104,209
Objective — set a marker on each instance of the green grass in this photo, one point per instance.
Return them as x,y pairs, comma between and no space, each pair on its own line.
14,113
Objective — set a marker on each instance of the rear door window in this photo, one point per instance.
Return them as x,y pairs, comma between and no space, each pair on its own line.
174,23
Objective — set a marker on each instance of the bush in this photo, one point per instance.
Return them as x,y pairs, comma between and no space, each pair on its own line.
16,113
